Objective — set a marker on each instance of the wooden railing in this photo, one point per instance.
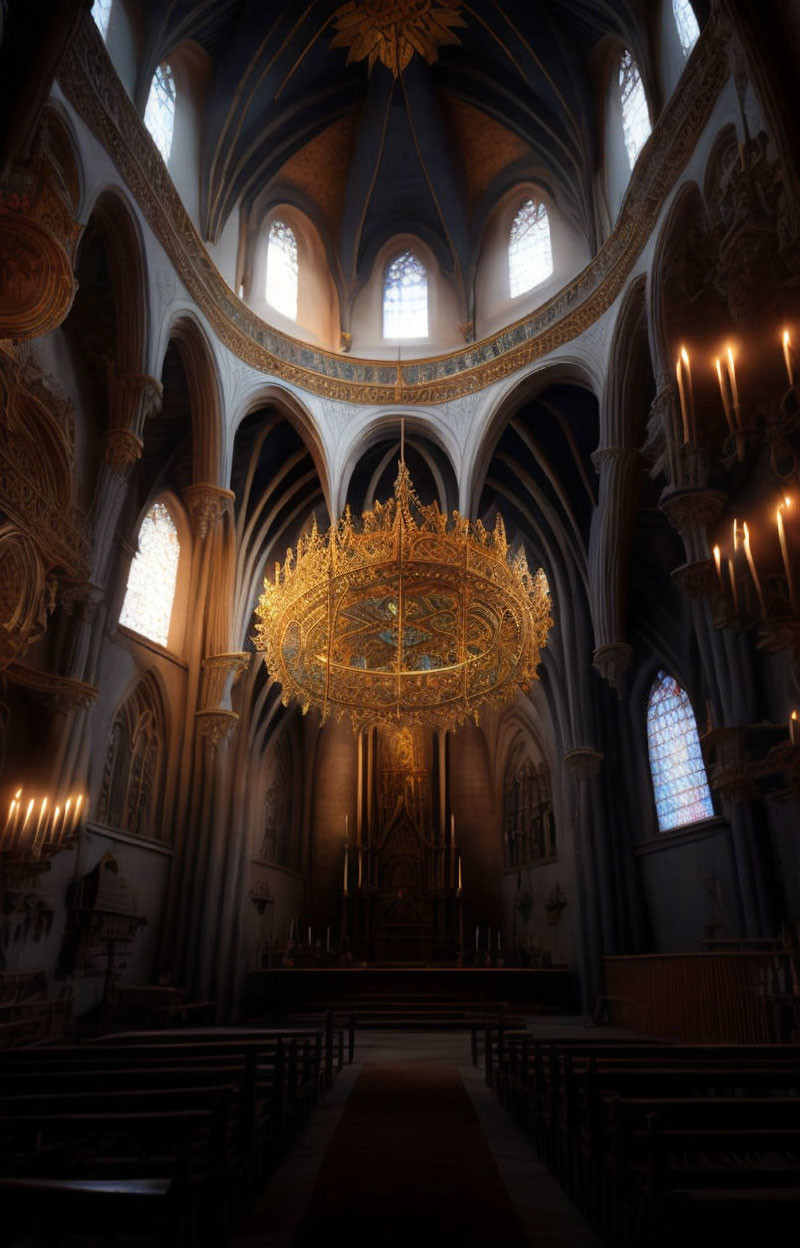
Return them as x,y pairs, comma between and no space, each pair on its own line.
734,998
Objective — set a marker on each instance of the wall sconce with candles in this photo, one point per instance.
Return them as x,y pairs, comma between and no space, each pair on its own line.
36,829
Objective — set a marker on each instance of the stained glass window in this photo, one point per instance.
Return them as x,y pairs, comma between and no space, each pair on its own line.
101,14
405,298
686,22
530,255
282,269
635,117
147,608
159,114
679,776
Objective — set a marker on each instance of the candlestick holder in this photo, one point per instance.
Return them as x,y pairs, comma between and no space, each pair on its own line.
751,761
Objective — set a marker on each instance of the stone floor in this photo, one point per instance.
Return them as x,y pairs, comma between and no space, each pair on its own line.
547,1218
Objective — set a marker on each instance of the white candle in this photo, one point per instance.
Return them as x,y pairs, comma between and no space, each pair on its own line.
459,873
41,826
734,595
734,388
77,816
359,868
54,829
452,829
752,566
787,567
344,878
718,565
787,356
726,403
794,728
689,395
7,828
682,396
31,805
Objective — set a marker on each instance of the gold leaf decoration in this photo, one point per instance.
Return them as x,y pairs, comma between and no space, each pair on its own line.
393,31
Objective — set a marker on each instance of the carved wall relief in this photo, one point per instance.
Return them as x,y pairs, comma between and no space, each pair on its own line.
528,827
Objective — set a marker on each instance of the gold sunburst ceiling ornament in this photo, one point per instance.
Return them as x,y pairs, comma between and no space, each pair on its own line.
392,31
413,616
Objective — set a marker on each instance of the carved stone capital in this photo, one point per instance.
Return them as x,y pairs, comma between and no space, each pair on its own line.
215,726
220,674
80,598
122,450
132,398
207,504
619,455
612,661
691,511
697,580
583,762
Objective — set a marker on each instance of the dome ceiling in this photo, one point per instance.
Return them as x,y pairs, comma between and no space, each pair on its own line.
389,116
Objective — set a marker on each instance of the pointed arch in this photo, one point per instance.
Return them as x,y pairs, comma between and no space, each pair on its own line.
680,783
131,793
124,248
205,398
530,250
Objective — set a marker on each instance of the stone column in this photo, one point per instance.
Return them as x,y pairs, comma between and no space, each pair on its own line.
619,468
583,764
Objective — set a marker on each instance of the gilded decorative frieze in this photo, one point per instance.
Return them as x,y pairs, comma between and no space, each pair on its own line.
90,83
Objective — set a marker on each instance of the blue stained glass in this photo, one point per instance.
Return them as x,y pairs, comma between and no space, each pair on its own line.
680,783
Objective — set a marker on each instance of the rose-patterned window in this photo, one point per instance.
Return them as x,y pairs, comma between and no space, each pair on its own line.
147,608
680,784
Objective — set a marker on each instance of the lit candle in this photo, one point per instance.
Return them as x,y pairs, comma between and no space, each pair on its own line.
452,829
752,566
31,805
41,826
359,868
787,567
734,387
66,825
17,803
689,394
718,565
787,356
459,873
54,833
734,595
344,878
682,396
735,537
77,816
794,728
345,826
726,403
7,828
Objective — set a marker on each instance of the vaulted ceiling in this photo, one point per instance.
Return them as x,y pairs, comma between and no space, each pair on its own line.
388,116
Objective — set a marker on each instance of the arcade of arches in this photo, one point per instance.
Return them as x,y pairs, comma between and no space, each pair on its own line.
237,249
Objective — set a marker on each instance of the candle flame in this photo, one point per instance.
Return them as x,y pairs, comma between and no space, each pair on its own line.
18,795
735,536
787,338
746,533
729,353
685,356
794,715
787,502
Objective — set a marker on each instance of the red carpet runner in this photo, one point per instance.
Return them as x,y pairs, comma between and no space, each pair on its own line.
409,1165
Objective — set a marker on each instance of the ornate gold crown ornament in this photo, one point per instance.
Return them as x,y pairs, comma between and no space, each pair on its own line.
415,616
392,31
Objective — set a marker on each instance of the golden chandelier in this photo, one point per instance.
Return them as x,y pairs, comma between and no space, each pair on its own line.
415,616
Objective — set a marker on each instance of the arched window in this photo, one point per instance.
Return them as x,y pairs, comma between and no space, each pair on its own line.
530,255
147,608
282,269
405,298
635,117
679,776
101,14
686,23
130,795
159,115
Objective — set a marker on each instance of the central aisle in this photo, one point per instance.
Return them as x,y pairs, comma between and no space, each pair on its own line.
409,1163
411,1148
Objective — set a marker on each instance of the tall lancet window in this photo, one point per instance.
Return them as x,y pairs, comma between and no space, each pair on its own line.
635,116
530,254
159,113
101,15
282,269
147,608
405,298
686,23
679,776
